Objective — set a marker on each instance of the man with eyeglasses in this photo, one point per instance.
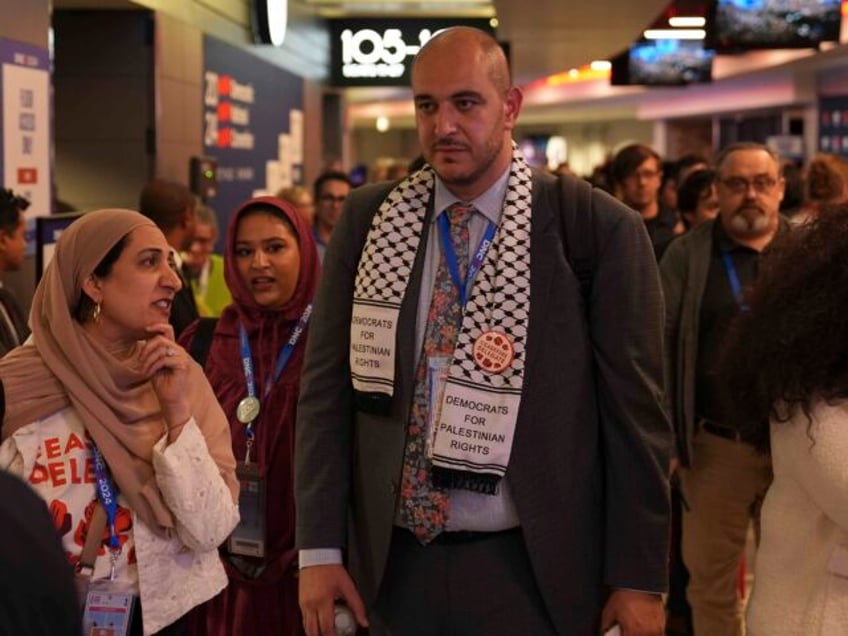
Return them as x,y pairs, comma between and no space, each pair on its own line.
705,276
637,172
331,190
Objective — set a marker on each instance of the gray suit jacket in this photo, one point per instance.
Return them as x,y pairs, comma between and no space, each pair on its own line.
591,448
684,269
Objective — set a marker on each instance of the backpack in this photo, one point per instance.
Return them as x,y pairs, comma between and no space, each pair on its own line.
575,204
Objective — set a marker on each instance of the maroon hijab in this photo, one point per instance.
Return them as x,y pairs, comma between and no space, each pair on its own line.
244,307
268,330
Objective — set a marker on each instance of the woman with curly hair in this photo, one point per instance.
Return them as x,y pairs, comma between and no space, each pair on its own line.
789,359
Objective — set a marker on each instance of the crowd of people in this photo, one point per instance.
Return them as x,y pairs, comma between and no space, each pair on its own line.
474,399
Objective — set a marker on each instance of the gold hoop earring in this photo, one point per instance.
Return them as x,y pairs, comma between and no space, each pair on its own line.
95,314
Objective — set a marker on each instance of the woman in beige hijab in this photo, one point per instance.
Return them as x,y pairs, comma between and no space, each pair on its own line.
102,372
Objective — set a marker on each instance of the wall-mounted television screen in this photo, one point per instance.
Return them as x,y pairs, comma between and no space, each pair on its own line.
663,63
738,25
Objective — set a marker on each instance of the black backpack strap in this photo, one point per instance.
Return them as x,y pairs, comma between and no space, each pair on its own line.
576,221
199,347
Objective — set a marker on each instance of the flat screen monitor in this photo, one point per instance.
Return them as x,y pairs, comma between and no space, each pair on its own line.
740,25
669,63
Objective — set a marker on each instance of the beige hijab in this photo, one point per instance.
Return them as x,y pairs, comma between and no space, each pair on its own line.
62,365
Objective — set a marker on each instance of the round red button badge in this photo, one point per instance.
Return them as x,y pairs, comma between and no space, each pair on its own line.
493,352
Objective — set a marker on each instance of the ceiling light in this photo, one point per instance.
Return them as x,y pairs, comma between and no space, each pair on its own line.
382,123
271,20
674,34
493,22
600,65
687,21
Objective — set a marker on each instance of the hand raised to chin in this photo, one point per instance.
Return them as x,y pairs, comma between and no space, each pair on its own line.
166,364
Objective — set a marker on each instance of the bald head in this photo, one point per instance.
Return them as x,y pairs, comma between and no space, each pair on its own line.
465,109
468,41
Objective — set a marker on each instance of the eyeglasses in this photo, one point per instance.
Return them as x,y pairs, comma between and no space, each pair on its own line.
329,198
738,185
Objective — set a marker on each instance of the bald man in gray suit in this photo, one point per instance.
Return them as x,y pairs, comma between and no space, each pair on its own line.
550,514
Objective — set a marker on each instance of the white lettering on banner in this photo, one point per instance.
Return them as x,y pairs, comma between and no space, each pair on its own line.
239,115
210,94
242,173
372,341
373,70
210,130
23,59
241,92
243,140
222,114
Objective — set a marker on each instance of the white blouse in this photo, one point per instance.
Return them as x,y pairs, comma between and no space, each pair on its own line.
171,574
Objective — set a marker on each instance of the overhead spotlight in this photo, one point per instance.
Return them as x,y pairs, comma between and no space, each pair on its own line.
690,22
493,22
674,34
573,72
600,65
270,20
382,123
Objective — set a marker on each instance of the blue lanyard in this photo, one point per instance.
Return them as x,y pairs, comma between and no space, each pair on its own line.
733,279
464,287
107,494
282,357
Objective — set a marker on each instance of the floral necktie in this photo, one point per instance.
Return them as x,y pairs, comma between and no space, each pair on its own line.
424,508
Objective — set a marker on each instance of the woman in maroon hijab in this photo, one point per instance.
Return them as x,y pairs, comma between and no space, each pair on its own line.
253,364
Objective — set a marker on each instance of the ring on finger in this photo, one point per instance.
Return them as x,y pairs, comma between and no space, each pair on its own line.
170,352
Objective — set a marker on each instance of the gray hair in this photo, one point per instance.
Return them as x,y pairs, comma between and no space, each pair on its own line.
745,145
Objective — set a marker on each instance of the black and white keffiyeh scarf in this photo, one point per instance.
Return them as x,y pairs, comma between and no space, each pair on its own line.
471,443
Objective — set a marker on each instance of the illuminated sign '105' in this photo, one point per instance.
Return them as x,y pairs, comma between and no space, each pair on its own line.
371,52
367,53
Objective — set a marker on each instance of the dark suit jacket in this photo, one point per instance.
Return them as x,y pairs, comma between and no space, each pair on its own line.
37,592
7,342
591,449
184,309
